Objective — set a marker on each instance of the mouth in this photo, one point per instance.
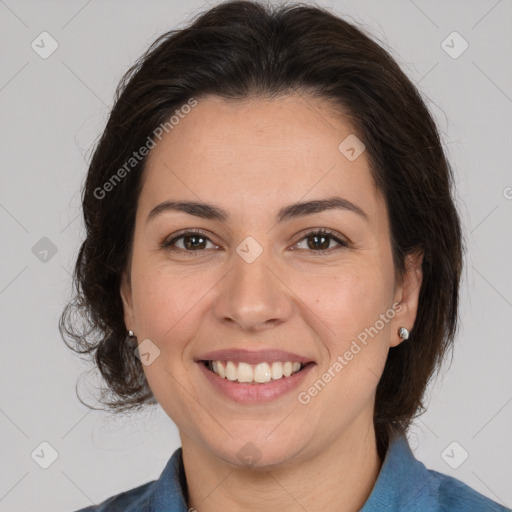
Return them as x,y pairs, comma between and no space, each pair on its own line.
254,374
253,384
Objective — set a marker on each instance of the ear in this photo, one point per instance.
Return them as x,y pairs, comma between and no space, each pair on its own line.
407,295
126,296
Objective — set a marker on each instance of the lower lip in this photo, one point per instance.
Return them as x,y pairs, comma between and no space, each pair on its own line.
255,393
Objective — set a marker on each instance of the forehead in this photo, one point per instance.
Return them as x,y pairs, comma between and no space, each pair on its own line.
262,151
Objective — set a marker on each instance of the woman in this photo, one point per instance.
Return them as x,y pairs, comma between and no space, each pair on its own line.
273,255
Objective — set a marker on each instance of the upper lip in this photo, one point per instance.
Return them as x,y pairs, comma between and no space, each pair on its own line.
252,356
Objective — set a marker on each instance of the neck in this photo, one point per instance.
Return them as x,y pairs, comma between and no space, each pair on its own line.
339,478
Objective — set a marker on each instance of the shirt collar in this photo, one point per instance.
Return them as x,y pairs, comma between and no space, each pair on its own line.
171,488
401,480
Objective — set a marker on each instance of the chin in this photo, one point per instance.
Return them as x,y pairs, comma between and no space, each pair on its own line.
256,452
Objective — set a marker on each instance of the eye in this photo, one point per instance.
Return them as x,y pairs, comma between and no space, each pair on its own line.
196,241
320,241
193,241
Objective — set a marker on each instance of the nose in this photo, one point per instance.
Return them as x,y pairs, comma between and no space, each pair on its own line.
253,295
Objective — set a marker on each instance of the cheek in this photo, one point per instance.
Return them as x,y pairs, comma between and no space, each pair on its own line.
163,301
168,308
349,307
350,298
347,310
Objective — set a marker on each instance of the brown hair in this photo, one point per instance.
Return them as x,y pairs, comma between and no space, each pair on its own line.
239,50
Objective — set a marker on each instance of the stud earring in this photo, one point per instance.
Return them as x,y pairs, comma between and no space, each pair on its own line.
131,339
403,333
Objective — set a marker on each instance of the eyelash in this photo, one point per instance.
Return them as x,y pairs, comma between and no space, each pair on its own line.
169,245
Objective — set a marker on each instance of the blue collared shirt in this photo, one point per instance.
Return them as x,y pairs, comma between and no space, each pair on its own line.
404,484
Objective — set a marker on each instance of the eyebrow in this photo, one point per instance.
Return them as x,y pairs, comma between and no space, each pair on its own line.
213,212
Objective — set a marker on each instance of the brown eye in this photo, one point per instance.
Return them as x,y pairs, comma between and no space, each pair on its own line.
319,241
193,241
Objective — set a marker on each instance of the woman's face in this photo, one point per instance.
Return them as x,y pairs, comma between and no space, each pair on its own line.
258,281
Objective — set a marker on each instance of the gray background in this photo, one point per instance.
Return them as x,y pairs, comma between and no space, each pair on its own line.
53,110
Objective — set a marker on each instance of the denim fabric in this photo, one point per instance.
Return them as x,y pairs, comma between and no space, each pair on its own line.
404,484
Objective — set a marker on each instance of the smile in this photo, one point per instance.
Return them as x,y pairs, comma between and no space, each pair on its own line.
247,390
261,373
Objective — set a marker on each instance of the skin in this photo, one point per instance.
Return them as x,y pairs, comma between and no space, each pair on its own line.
252,158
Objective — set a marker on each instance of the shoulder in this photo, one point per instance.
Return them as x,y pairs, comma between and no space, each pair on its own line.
455,496
133,500
405,484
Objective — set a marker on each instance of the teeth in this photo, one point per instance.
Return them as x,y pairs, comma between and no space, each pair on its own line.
277,370
231,371
245,372
261,373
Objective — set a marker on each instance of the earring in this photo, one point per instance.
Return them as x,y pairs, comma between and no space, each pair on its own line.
403,333
131,339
